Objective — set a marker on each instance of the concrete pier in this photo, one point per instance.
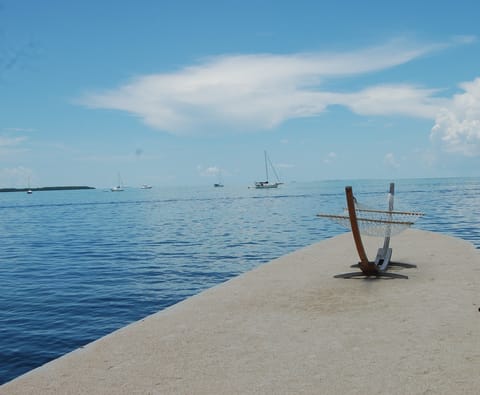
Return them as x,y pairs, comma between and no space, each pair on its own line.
290,327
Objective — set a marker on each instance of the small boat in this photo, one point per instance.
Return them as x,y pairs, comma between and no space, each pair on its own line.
119,187
145,186
267,184
219,184
29,191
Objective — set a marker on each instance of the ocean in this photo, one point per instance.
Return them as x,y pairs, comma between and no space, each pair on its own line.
77,265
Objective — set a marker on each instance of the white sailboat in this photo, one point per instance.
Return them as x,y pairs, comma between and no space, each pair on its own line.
119,187
29,190
267,184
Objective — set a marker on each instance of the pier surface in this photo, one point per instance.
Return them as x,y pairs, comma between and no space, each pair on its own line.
290,327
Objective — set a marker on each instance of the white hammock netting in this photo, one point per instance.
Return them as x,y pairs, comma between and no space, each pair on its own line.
377,222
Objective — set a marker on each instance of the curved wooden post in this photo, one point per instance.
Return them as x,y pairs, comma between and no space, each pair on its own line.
366,266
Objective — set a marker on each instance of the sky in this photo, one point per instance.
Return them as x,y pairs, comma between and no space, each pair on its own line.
184,93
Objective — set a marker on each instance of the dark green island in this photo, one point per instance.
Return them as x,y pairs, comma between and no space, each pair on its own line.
65,188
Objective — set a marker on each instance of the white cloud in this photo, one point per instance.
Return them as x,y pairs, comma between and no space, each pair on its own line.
393,100
390,160
208,171
242,93
11,145
330,158
457,124
251,92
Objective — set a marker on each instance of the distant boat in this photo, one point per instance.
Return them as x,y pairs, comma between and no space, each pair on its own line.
119,187
267,184
145,186
29,191
219,184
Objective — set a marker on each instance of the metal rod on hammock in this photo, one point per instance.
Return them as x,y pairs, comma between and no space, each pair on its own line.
386,242
364,210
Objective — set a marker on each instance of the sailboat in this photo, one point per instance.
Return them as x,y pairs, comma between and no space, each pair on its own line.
119,187
267,184
29,190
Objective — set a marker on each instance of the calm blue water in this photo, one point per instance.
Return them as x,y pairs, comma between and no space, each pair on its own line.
76,265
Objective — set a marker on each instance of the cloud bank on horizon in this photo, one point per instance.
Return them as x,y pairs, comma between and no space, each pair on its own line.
261,91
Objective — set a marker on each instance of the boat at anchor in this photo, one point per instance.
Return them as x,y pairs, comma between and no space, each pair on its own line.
267,184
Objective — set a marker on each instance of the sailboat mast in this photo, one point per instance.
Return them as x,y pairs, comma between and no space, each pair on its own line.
266,164
274,171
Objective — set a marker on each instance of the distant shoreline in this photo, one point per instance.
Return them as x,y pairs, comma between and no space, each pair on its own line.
65,188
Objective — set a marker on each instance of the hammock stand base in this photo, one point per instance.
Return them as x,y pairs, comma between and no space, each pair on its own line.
397,264
376,275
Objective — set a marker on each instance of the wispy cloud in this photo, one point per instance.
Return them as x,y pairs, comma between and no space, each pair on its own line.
15,176
12,59
392,99
12,146
391,161
330,158
18,130
11,141
257,92
208,171
260,91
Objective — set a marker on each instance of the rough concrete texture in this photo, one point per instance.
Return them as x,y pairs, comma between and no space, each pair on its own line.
290,327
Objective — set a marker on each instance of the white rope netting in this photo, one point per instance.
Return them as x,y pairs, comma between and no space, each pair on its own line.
376,222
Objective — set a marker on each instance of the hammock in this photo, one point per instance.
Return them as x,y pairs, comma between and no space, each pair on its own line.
361,219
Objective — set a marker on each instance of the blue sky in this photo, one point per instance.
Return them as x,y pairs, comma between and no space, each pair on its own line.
174,92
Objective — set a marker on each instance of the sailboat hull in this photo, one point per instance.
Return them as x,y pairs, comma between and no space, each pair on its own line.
266,185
